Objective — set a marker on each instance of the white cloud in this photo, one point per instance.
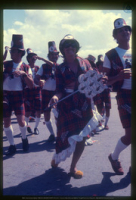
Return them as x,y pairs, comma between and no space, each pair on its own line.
92,28
18,23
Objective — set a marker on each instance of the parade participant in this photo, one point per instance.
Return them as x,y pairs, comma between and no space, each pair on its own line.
95,100
99,63
47,73
92,59
120,78
16,74
5,53
33,97
104,99
73,113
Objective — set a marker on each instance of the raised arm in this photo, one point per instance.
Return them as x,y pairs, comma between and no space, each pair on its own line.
44,60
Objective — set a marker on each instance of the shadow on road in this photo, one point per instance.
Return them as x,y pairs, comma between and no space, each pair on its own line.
56,182
33,147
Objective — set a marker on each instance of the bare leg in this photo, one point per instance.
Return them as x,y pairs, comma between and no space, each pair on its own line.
77,154
21,120
27,114
107,112
47,116
38,114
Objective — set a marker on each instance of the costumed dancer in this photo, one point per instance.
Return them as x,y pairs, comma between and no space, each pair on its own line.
75,116
15,76
47,73
119,76
33,97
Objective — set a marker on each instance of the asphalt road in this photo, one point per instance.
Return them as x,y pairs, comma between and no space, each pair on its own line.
30,176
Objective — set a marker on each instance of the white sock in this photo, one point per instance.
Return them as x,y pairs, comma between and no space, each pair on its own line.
23,131
9,134
37,120
27,120
119,147
106,120
49,126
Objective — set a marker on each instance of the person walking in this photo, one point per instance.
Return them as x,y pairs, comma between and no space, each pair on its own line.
15,76
104,104
33,97
96,100
5,53
119,76
47,73
75,116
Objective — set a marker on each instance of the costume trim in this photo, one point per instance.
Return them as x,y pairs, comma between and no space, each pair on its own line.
91,125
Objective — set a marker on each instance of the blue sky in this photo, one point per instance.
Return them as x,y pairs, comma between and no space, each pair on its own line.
92,29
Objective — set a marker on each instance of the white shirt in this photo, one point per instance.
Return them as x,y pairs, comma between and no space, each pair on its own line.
125,55
33,76
14,84
50,83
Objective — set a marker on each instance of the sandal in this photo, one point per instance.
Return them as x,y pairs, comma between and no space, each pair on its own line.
77,174
53,164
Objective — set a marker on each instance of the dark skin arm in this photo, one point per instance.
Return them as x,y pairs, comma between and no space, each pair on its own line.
124,74
44,60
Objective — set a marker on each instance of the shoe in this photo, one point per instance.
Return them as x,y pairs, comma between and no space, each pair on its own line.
106,127
11,150
36,131
77,174
51,138
100,128
29,129
53,164
31,119
89,141
25,144
116,166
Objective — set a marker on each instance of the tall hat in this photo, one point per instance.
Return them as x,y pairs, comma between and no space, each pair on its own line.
68,37
91,58
52,47
30,52
119,23
17,42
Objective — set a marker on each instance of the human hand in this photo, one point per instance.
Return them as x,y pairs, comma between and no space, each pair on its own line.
6,48
19,73
125,74
41,83
54,101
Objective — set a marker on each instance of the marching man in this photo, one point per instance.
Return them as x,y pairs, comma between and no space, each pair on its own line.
119,76
47,73
33,97
15,76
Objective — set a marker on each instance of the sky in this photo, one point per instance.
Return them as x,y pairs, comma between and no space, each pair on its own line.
91,28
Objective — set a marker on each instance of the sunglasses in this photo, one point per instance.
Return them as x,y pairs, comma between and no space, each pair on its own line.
70,44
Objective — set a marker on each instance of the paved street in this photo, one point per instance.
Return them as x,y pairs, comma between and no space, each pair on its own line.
30,174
